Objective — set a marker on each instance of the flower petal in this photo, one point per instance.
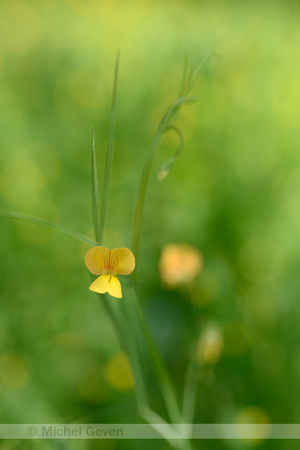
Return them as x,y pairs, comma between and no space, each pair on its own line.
122,260
97,259
107,283
114,288
101,284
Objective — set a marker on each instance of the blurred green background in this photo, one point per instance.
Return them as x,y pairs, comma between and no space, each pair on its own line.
234,194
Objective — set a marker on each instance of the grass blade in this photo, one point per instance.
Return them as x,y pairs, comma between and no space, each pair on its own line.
95,198
110,150
199,71
167,165
124,334
190,391
165,430
163,377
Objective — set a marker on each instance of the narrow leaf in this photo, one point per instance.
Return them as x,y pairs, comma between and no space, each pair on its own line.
95,198
45,223
110,149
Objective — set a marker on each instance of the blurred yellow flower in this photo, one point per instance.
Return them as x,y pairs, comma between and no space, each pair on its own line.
108,264
118,372
253,421
179,263
14,373
210,345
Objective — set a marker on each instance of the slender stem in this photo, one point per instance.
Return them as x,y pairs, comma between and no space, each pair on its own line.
166,431
184,75
199,71
142,188
95,197
130,343
110,150
190,390
5,416
163,377
127,342
45,223
192,374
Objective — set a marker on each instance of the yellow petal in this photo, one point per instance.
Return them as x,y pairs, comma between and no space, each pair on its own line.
97,259
101,284
107,283
122,260
114,287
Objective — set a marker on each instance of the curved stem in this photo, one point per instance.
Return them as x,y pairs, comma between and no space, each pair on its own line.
167,122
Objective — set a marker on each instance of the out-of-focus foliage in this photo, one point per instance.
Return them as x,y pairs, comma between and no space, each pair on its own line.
234,194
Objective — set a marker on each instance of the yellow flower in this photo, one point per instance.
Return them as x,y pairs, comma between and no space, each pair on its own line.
118,372
210,345
108,264
179,263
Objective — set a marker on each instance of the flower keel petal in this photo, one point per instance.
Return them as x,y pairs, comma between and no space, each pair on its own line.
101,284
114,288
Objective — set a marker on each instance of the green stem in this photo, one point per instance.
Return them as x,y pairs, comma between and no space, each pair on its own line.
110,151
127,343
165,382
168,430
190,390
138,371
167,122
124,326
139,206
